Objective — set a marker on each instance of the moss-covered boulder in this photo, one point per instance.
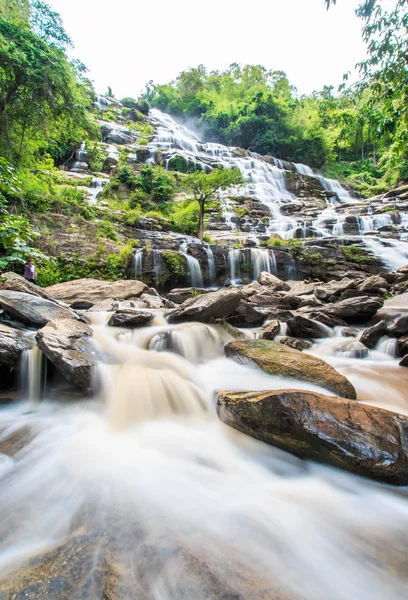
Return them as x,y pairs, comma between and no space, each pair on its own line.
277,359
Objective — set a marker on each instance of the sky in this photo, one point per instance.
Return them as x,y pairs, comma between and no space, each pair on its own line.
126,43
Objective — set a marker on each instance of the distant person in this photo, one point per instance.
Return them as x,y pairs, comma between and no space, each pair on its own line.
30,272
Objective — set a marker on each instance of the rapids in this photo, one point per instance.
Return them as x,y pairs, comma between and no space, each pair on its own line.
143,481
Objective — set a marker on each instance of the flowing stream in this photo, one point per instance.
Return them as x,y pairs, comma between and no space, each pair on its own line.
144,483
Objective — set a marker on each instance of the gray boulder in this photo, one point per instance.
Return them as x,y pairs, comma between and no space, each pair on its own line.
363,439
272,282
306,328
15,283
12,344
129,317
95,290
32,310
333,288
399,327
353,309
180,295
66,343
206,308
374,285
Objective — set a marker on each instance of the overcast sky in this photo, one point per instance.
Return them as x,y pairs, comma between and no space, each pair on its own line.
126,43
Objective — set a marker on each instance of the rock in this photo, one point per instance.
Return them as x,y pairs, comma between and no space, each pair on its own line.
32,310
350,349
66,343
251,289
205,308
333,288
296,344
107,305
351,293
374,285
402,346
248,315
306,328
230,330
16,283
269,331
329,320
272,282
371,335
302,289
129,317
180,295
277,359
81,305
363,439
397,302
353,309
399,327
275,300
12,343
404,361
95,290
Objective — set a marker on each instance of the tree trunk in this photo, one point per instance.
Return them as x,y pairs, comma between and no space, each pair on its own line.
201,220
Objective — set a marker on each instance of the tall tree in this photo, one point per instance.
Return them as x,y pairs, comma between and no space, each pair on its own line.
205,187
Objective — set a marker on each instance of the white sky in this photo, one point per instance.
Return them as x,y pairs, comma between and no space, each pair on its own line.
126,43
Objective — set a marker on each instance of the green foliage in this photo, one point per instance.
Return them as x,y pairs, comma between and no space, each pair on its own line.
184,217
355,254
176,263
273,243
295,247
208,239
107,229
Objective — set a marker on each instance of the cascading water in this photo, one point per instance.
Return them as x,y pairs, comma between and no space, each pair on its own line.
157,265
32,375
235,258
212,277
194,274
97,184
261,261
138,262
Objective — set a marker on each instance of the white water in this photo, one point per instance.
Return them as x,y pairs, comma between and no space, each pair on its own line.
138,262
212,277
179,494
194,274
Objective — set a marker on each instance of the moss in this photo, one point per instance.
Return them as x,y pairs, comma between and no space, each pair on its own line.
176,266
355,254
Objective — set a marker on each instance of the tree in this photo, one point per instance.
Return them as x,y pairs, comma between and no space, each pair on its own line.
205,187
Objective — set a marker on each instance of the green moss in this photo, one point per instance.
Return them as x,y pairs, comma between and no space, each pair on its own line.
355,254
175,263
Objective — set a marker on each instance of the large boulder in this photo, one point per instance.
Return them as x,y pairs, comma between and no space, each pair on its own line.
248,315
206,308
374,285
32,310
399,302
306,328
12,343
66,343
333,288
278,359
272,282
129,317
372,335
275,300
302,289
363,439
180,295
353,309
399,327
96,290
15,283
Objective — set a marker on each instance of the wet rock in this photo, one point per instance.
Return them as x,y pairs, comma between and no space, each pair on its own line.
350,349
15,283
372,335
374,285
277,359
248,315
402,346
95,290
12,344
404,361
399,327
66,343
272,282
130,318
180,295
32,310
333,288
306,328
353,309
206,308
295,344
269,331
81,305
13,439
329,320
363,439
108,305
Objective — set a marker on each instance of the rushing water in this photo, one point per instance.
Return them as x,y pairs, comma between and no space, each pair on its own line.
181,506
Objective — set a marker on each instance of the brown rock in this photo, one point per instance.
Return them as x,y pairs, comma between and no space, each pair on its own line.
353,309
272,282
215,305
269,331
363,439
95,290
130,318
33,311
371,335
12,343
16,283
296,344
306,328
277,359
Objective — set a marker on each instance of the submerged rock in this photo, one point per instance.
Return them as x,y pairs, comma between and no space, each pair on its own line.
129,317
66,343
32,310
277,359
215,305
350,349
12,344
306,328
363,439
96,290
372,335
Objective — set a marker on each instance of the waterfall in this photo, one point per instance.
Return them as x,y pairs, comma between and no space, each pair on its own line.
193,341
211,265
234,263
95,191
387,346
81,160
391,252
157,266
194,273
32,375
261,261
138,262
330,185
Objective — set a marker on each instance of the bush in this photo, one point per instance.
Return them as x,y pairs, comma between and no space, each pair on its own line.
184,217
